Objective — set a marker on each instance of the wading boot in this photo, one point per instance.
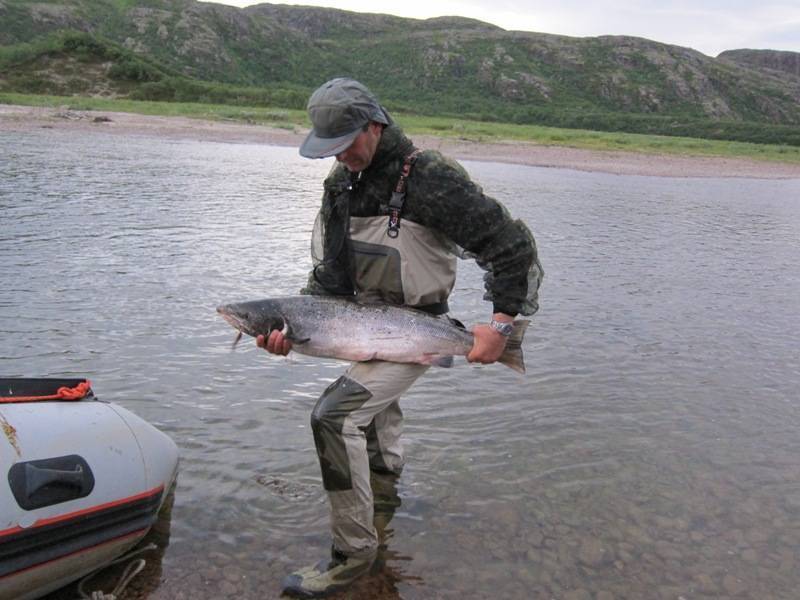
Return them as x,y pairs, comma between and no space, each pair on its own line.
327,576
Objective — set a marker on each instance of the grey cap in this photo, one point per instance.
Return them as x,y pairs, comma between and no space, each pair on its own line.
339,110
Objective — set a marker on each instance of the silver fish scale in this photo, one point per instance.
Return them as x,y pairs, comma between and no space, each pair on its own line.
345,329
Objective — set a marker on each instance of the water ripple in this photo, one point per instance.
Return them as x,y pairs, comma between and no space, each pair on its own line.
650,451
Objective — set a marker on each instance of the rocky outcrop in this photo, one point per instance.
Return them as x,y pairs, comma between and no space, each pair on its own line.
776,60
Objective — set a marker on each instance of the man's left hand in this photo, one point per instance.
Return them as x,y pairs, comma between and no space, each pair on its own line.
489,344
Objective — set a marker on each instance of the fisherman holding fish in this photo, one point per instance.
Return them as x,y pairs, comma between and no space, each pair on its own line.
392,223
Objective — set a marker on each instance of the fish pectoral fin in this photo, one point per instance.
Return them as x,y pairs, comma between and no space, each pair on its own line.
236,340
438,360
289,334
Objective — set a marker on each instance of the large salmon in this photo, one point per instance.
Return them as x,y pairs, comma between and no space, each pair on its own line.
334,327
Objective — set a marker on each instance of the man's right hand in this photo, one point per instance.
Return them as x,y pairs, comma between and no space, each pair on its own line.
276,343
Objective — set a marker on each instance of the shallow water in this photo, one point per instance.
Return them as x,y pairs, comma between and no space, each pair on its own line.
650,451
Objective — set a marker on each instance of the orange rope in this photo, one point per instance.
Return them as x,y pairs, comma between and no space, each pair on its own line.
62,393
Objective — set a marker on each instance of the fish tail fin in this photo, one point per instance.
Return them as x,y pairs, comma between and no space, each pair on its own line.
512,356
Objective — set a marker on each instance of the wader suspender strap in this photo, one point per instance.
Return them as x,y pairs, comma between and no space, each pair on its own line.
399,195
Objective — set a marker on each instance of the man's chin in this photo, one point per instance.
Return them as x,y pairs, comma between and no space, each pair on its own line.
353,167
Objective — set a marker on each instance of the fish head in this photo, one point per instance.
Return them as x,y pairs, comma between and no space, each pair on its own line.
253,318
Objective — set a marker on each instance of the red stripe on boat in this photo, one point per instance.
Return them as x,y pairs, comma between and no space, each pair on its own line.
85,511
139,532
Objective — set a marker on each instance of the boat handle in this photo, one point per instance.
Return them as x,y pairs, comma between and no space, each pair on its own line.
36,478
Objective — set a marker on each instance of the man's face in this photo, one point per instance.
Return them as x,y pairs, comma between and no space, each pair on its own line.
359,154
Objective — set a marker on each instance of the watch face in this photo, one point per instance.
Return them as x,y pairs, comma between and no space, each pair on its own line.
503,328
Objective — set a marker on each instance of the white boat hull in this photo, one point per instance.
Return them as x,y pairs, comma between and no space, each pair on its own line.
82,482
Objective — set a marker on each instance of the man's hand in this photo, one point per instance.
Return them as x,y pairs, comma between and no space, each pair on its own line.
276,343
488,344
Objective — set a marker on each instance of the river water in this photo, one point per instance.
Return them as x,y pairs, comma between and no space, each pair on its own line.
651,451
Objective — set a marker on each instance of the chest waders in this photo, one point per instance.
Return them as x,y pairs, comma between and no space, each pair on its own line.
357,421
406,264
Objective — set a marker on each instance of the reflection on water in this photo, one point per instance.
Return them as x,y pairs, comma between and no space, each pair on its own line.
650,451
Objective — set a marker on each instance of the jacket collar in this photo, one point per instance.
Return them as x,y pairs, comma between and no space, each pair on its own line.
393,145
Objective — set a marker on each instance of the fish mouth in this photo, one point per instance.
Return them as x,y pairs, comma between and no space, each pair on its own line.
235,321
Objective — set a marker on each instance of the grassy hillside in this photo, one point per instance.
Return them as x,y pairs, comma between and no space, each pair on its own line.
182,50
463,129
76,63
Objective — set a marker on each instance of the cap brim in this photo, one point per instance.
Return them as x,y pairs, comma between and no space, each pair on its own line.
318,147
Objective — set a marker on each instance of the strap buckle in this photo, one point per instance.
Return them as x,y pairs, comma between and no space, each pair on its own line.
399,195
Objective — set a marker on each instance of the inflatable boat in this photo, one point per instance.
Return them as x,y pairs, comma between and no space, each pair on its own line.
82,482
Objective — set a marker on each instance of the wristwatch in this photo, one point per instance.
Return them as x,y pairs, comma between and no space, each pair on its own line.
502,328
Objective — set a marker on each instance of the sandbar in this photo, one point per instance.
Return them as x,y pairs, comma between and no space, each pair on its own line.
15,118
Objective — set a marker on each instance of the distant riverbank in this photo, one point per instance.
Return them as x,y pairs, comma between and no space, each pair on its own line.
30,118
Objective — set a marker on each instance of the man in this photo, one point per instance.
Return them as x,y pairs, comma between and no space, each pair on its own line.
392,222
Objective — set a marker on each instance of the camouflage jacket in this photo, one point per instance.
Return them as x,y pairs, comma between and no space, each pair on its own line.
439,196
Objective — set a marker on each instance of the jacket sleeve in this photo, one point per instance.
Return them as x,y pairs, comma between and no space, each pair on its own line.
502,246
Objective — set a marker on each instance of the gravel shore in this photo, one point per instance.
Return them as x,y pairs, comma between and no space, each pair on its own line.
25,118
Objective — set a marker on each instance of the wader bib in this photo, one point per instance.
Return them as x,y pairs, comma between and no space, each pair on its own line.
357,421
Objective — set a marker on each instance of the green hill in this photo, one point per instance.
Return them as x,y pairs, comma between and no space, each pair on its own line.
447,66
